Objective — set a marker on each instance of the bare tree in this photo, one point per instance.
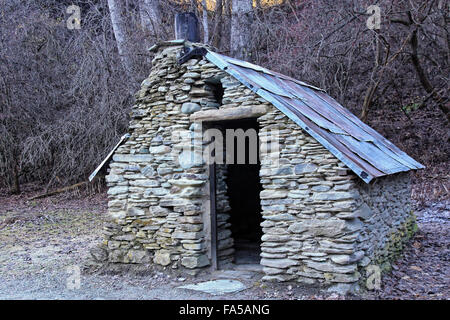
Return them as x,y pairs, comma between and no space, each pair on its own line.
241,22
416,24
116,11
383,58
64,102
216,36
205,22
150,12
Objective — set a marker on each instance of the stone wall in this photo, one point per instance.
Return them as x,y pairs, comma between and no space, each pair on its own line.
157,195
322,224
385,209
308,203
158,187
225,242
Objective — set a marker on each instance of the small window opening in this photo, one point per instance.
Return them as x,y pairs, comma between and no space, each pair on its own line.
215,85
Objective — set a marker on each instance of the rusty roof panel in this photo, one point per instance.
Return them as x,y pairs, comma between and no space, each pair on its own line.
362,168
337,117
357,145
261,81
255,67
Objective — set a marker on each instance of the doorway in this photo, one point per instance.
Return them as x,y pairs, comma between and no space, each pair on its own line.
243,189
245,215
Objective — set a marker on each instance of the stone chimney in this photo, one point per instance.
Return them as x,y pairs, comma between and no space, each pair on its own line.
186,27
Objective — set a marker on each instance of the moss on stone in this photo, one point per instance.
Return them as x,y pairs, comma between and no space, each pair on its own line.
393,249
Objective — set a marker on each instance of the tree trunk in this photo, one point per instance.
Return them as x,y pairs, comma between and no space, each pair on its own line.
16,184
241,22
150,12
423,78
373,85
217,31
205,22
119,27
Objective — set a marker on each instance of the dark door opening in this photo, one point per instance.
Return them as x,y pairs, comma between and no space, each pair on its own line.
243,188
245,215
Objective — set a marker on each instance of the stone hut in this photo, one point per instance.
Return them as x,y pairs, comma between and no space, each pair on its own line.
327,201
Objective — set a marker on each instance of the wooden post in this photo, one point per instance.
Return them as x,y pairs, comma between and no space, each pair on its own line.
213,215
186,27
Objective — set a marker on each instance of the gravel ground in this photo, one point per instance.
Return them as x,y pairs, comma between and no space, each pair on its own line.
42,244
423,270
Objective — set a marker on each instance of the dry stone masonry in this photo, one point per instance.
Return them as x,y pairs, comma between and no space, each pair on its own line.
321,223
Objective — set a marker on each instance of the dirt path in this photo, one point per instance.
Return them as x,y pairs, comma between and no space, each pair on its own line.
42,245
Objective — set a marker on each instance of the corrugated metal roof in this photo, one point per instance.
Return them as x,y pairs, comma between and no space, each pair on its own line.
357,145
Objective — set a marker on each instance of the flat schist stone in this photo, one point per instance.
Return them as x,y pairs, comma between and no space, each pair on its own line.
216,287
